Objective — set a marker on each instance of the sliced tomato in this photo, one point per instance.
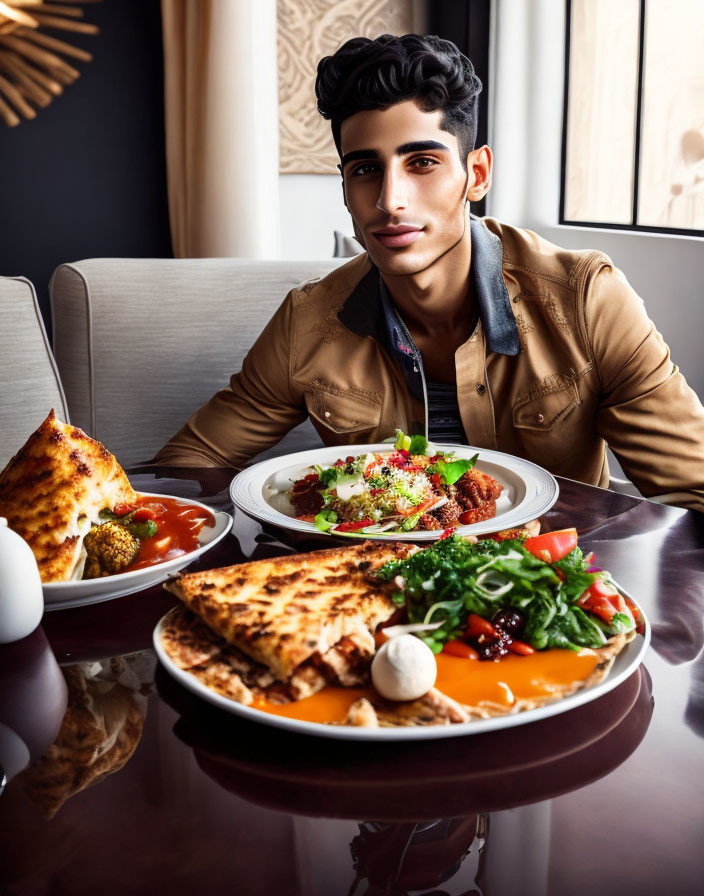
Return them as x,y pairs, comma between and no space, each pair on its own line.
477,626
460,648
637,615
604,601
123,509
142,514
552,546
520,648
352,525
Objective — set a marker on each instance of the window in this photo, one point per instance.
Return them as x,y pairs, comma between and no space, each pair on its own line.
633,126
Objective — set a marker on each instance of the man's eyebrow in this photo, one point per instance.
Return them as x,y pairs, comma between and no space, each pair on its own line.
403,150
419,146
358,154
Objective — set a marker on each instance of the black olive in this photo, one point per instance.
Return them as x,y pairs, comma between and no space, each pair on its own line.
510,621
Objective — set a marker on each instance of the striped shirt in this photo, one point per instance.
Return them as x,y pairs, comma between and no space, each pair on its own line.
444,421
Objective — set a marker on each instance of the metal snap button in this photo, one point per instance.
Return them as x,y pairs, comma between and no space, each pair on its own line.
327,413
540,418
481,388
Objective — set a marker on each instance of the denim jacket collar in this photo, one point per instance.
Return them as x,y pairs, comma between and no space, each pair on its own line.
368,310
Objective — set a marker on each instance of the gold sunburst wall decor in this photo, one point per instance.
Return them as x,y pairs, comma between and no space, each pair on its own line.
33,66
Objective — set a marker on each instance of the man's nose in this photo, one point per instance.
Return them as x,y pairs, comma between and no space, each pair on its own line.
393,195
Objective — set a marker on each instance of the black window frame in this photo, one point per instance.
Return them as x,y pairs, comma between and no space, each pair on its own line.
606,225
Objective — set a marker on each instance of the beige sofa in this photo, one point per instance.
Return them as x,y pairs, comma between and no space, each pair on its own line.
141,343
29,381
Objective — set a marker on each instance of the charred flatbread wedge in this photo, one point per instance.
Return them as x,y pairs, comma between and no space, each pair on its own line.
54,488
307,619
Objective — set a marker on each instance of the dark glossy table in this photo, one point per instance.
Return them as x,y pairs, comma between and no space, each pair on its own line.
179,797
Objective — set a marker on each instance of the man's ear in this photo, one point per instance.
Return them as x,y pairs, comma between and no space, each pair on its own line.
479,167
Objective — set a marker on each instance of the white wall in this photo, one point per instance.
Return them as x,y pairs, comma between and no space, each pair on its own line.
527,78
311,211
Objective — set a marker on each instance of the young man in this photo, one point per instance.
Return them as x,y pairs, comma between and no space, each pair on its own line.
466,328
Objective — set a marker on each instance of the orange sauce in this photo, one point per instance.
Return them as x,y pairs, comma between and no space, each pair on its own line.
178,527
513,677
467,681
329,705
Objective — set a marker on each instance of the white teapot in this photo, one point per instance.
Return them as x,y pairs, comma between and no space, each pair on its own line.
21,596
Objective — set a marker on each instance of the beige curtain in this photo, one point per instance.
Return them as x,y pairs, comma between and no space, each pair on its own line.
222,151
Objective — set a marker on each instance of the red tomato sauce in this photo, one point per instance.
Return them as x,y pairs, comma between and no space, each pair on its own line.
178,526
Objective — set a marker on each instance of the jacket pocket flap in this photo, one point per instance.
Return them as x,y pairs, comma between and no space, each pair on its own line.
344,412
546,411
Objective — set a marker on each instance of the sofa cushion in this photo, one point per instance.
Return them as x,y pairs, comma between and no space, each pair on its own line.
142,343
29,381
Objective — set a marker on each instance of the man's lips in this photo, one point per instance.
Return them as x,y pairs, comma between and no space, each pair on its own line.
397,237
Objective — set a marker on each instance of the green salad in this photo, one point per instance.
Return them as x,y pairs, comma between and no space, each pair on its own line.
546,602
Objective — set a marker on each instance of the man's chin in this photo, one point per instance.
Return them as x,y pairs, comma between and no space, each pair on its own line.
401,265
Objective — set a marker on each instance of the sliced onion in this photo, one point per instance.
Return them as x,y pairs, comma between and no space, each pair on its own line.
492,593
393,631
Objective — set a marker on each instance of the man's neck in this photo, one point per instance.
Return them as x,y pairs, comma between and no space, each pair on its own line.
438,300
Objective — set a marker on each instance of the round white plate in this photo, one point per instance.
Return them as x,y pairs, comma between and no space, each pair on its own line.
624,665
261,490
62,595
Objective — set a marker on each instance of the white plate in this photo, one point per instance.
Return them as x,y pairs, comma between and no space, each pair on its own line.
624,665
529,490
61,595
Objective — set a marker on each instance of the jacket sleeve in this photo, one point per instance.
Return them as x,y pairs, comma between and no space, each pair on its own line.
257,409
648,415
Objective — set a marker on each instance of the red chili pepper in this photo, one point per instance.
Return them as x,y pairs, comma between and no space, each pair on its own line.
520,648
461,649
376,491
435,458
352,525
477,626
436,479
142,514
447,532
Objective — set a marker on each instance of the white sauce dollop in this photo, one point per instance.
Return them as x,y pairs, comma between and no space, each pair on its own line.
404,668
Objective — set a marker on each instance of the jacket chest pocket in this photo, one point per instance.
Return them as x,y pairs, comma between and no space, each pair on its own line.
543,413
344,412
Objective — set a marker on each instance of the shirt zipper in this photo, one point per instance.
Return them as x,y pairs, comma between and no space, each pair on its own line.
419,362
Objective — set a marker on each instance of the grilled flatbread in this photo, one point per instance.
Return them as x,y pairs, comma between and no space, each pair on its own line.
280,630
54,488
308,619
196,649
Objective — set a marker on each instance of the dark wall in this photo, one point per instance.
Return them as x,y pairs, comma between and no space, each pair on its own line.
87,177
466,23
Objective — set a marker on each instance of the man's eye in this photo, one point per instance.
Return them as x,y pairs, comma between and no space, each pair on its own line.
423,163
365,168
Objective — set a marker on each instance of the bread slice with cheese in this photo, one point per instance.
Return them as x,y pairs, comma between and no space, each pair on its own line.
54,488
309,618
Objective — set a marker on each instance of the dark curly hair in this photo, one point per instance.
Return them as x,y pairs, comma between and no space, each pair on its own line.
376,74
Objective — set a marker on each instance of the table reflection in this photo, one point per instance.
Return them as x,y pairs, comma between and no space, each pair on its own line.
407,781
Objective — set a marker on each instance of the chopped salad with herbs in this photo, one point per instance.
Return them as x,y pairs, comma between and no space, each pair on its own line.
487,599
413,486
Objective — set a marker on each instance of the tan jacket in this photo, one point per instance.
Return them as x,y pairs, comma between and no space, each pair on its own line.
563,360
